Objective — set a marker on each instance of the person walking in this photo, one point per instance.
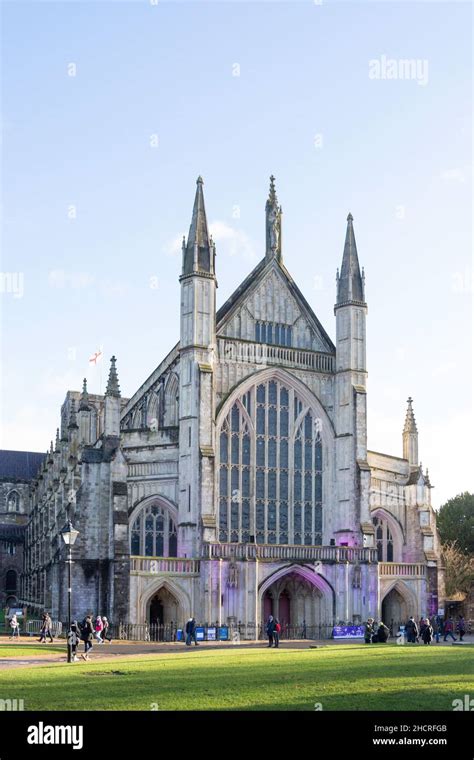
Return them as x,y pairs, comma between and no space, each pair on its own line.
87,636
270,630
448,629
98,627
375,632
15,626
368,630
191,632
105,630
426,632
461,627
411,629
276,633
436,625
73,640
46,624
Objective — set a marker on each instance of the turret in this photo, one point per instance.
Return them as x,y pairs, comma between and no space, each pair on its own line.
410,436
112,403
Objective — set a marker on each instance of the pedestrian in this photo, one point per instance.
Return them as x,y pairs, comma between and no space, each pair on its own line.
87,636
426,632
368,630
448,629
382,633
461,627
270,629
276,633
98,629
15,626
46,624
436,625
375,632
303,632
411,629
191,632
73,640
105,630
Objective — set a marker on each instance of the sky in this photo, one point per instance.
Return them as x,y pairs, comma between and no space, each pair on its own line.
110,111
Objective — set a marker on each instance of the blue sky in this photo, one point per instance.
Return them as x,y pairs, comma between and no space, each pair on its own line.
395,152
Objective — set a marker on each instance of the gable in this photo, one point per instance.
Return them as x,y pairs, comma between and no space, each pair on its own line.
269,296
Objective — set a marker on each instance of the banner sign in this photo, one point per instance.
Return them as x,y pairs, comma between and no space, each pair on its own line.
211,634
223,633
200,634
348,632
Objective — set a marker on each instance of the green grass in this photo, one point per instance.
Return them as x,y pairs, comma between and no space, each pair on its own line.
22,650
347,677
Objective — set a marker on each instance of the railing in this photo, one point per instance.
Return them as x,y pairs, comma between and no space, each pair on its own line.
289,552
235,632
233,350
402,569
33,627
176,565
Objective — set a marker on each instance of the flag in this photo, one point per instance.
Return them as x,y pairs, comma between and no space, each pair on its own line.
96,357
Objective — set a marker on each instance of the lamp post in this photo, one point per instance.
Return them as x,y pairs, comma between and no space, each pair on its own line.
69,534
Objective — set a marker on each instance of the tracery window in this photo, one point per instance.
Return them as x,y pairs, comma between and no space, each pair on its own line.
270,469
383,540
153,533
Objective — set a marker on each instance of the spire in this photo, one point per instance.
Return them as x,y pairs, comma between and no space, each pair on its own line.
113,388
72,416
350,283
273,213
84,400
57,448
197,253
410,424
410,436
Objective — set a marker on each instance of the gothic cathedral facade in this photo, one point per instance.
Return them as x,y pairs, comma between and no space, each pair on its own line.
237,481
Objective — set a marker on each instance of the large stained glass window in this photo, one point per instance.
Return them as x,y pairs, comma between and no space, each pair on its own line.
270,469
153,533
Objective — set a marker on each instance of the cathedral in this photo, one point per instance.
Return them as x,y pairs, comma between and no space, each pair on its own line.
236,482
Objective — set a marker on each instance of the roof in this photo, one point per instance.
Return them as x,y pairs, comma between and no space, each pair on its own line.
19,465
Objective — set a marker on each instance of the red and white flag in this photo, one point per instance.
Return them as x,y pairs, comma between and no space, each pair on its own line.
96,358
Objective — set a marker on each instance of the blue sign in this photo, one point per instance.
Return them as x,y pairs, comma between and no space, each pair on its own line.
200,634
211,634
223,633
179,635
348,632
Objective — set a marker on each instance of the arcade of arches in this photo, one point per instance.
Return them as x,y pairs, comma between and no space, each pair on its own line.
294,600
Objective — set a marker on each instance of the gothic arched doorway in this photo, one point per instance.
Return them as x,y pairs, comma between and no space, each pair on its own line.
295,601
163,608
395,608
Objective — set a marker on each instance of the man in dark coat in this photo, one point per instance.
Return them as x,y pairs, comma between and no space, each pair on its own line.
368,631
270,630
412,630
382,633
191,632
87,636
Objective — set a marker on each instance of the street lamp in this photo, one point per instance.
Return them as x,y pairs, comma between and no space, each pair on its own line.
69,534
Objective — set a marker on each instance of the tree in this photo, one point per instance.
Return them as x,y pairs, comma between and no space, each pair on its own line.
455,522
459,575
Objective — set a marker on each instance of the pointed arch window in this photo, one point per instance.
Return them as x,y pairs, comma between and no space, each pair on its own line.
153,533
270,469
383,540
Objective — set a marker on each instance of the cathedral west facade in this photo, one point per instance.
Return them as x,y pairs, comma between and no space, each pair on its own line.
237,481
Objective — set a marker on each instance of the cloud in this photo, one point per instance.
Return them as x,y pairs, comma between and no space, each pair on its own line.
231,241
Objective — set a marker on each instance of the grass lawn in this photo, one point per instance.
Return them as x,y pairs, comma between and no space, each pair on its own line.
349,677
12,649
